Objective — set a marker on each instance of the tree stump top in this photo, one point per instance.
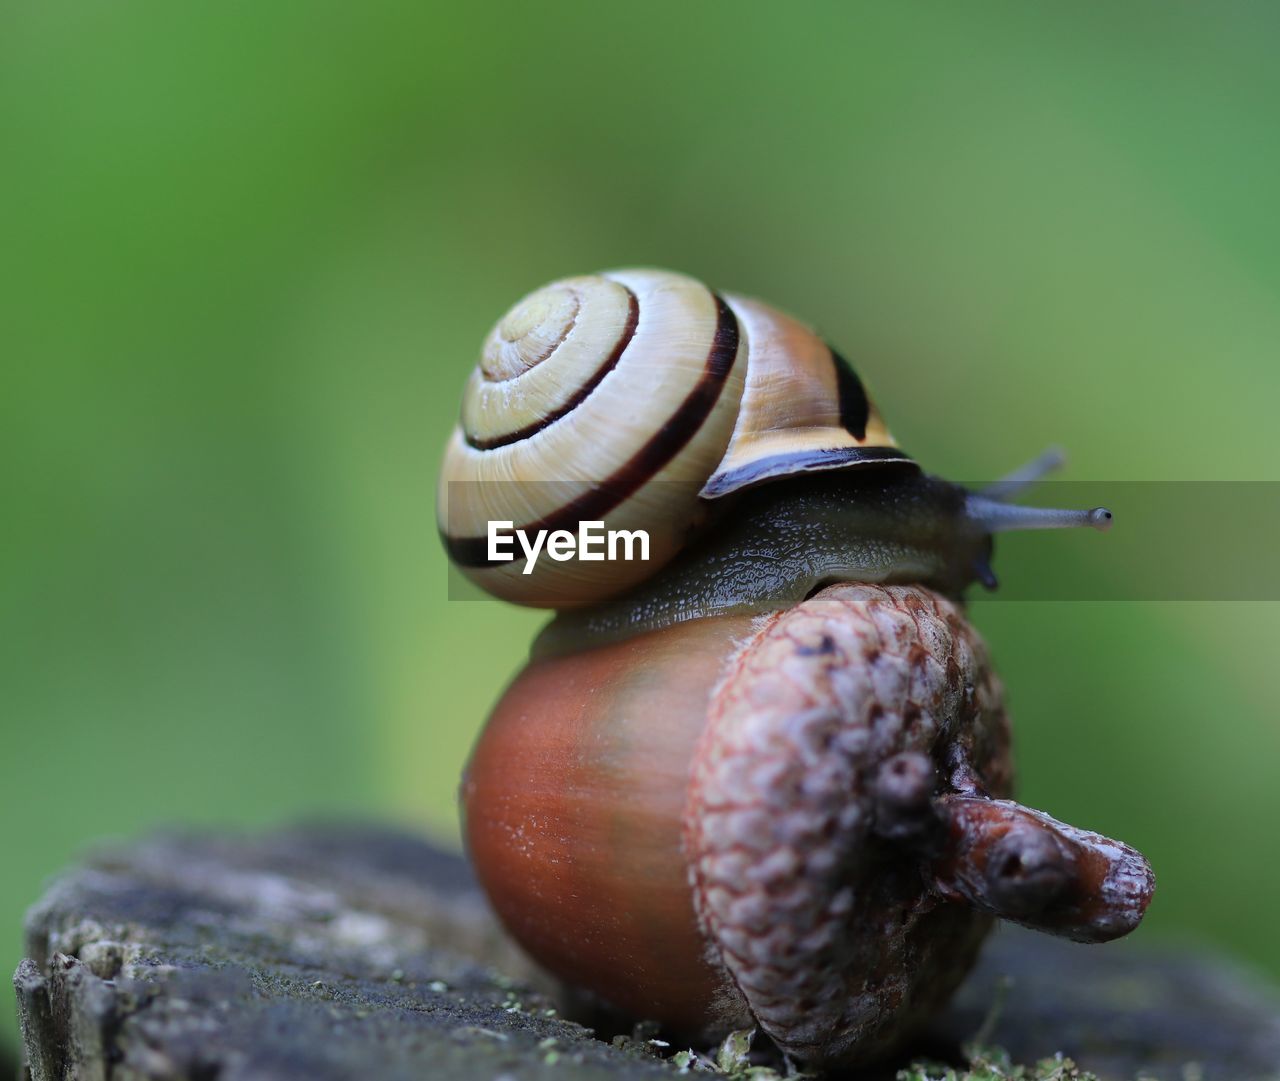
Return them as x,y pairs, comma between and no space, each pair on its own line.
348,952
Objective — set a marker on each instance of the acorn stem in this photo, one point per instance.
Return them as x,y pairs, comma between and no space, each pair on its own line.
1049,461
1024,866
997,517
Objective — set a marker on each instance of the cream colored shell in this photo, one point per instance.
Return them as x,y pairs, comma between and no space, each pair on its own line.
634,397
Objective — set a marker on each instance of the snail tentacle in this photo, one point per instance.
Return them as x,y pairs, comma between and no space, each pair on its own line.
997,517
1027,475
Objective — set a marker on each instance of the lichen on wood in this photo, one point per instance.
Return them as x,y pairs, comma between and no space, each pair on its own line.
347,952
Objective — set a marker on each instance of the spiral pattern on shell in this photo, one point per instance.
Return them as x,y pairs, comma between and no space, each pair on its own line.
632,397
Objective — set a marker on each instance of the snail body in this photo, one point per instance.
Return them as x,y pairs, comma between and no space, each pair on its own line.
786,540
763,778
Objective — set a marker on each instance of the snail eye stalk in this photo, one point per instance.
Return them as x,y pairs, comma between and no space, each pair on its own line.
997,517
1026,476
992,510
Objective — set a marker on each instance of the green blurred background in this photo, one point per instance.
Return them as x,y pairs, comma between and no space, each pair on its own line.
249,252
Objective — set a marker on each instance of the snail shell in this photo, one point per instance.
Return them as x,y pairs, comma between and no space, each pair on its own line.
795,821
636,398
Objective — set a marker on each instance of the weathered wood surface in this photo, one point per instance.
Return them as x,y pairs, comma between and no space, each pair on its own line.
364,953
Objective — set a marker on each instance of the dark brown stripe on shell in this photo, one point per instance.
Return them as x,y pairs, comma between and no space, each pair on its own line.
578,397
781,466
650,459
855,408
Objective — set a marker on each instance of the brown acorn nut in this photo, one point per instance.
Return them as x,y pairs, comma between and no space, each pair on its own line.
798,820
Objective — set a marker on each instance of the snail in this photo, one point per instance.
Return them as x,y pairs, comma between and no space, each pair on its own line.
762,778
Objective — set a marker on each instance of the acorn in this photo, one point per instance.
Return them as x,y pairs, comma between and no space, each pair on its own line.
799,822
761,778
